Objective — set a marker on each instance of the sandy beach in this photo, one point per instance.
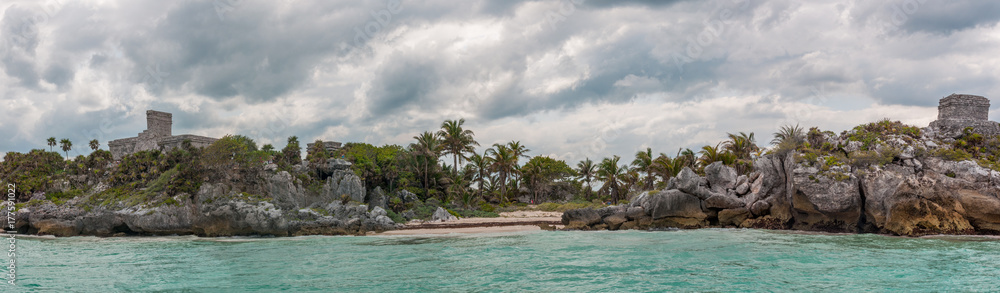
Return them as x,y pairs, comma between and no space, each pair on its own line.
507,222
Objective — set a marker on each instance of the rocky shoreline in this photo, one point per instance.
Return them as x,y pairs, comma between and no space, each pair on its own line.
914,194
341,207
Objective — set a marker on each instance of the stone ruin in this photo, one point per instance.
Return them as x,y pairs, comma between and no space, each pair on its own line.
157,136
957,112
330,146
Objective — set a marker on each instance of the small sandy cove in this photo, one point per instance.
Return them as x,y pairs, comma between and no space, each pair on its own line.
507,222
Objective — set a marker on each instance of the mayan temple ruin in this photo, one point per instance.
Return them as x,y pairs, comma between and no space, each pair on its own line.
157,136
957,112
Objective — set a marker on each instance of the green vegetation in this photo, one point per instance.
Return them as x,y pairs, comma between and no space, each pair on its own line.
562,207
500,177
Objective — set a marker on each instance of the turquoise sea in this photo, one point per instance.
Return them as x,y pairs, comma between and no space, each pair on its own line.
625,261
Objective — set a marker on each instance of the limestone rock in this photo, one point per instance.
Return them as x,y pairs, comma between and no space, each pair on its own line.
615,221
824,203
720,177
344,182
760,208
723,202
687,181
580,217
674,203
733,217
442,215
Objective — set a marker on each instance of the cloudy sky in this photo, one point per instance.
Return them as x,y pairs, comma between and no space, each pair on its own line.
570,79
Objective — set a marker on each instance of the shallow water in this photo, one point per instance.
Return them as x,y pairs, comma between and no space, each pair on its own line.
631,261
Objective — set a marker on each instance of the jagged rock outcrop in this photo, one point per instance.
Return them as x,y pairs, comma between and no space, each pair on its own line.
286,209
442,215
913,195
344,183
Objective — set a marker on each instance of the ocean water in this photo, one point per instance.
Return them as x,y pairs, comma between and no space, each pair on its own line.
624,261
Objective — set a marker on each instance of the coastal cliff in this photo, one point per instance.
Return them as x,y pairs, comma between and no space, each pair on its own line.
900,181
271,203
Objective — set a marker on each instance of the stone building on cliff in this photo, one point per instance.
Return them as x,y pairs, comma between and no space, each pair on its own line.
956,112
157,136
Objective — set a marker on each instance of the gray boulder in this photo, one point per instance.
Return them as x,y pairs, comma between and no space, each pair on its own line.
344,182
580,218
674,203
720,177
824,203
377,198
442,215
687,181
719,201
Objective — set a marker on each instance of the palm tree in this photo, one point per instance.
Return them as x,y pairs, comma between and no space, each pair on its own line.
533,177
52,143
644,163
94,144
456,141
689,159
427,149
667,167
611,174
743,146
292,153
711,155
586,169
504,163
482,166
66,146
519,152
789,137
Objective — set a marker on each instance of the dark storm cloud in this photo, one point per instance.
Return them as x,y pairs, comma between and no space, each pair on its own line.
402,83
947,16
350,70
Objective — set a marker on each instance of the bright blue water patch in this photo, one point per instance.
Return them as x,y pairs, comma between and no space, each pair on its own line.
629,261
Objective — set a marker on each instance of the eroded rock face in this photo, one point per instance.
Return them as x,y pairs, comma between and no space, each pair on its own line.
344,182
824,203
675,204
442,215
720,177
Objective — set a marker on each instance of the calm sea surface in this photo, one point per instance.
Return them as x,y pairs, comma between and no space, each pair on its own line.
689,260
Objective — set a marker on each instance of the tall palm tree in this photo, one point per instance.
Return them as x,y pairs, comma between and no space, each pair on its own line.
456,141
504,163
533,177
481,163
52,142
427,149
66,146
586,169
611,174
644,163
519,151
94,144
